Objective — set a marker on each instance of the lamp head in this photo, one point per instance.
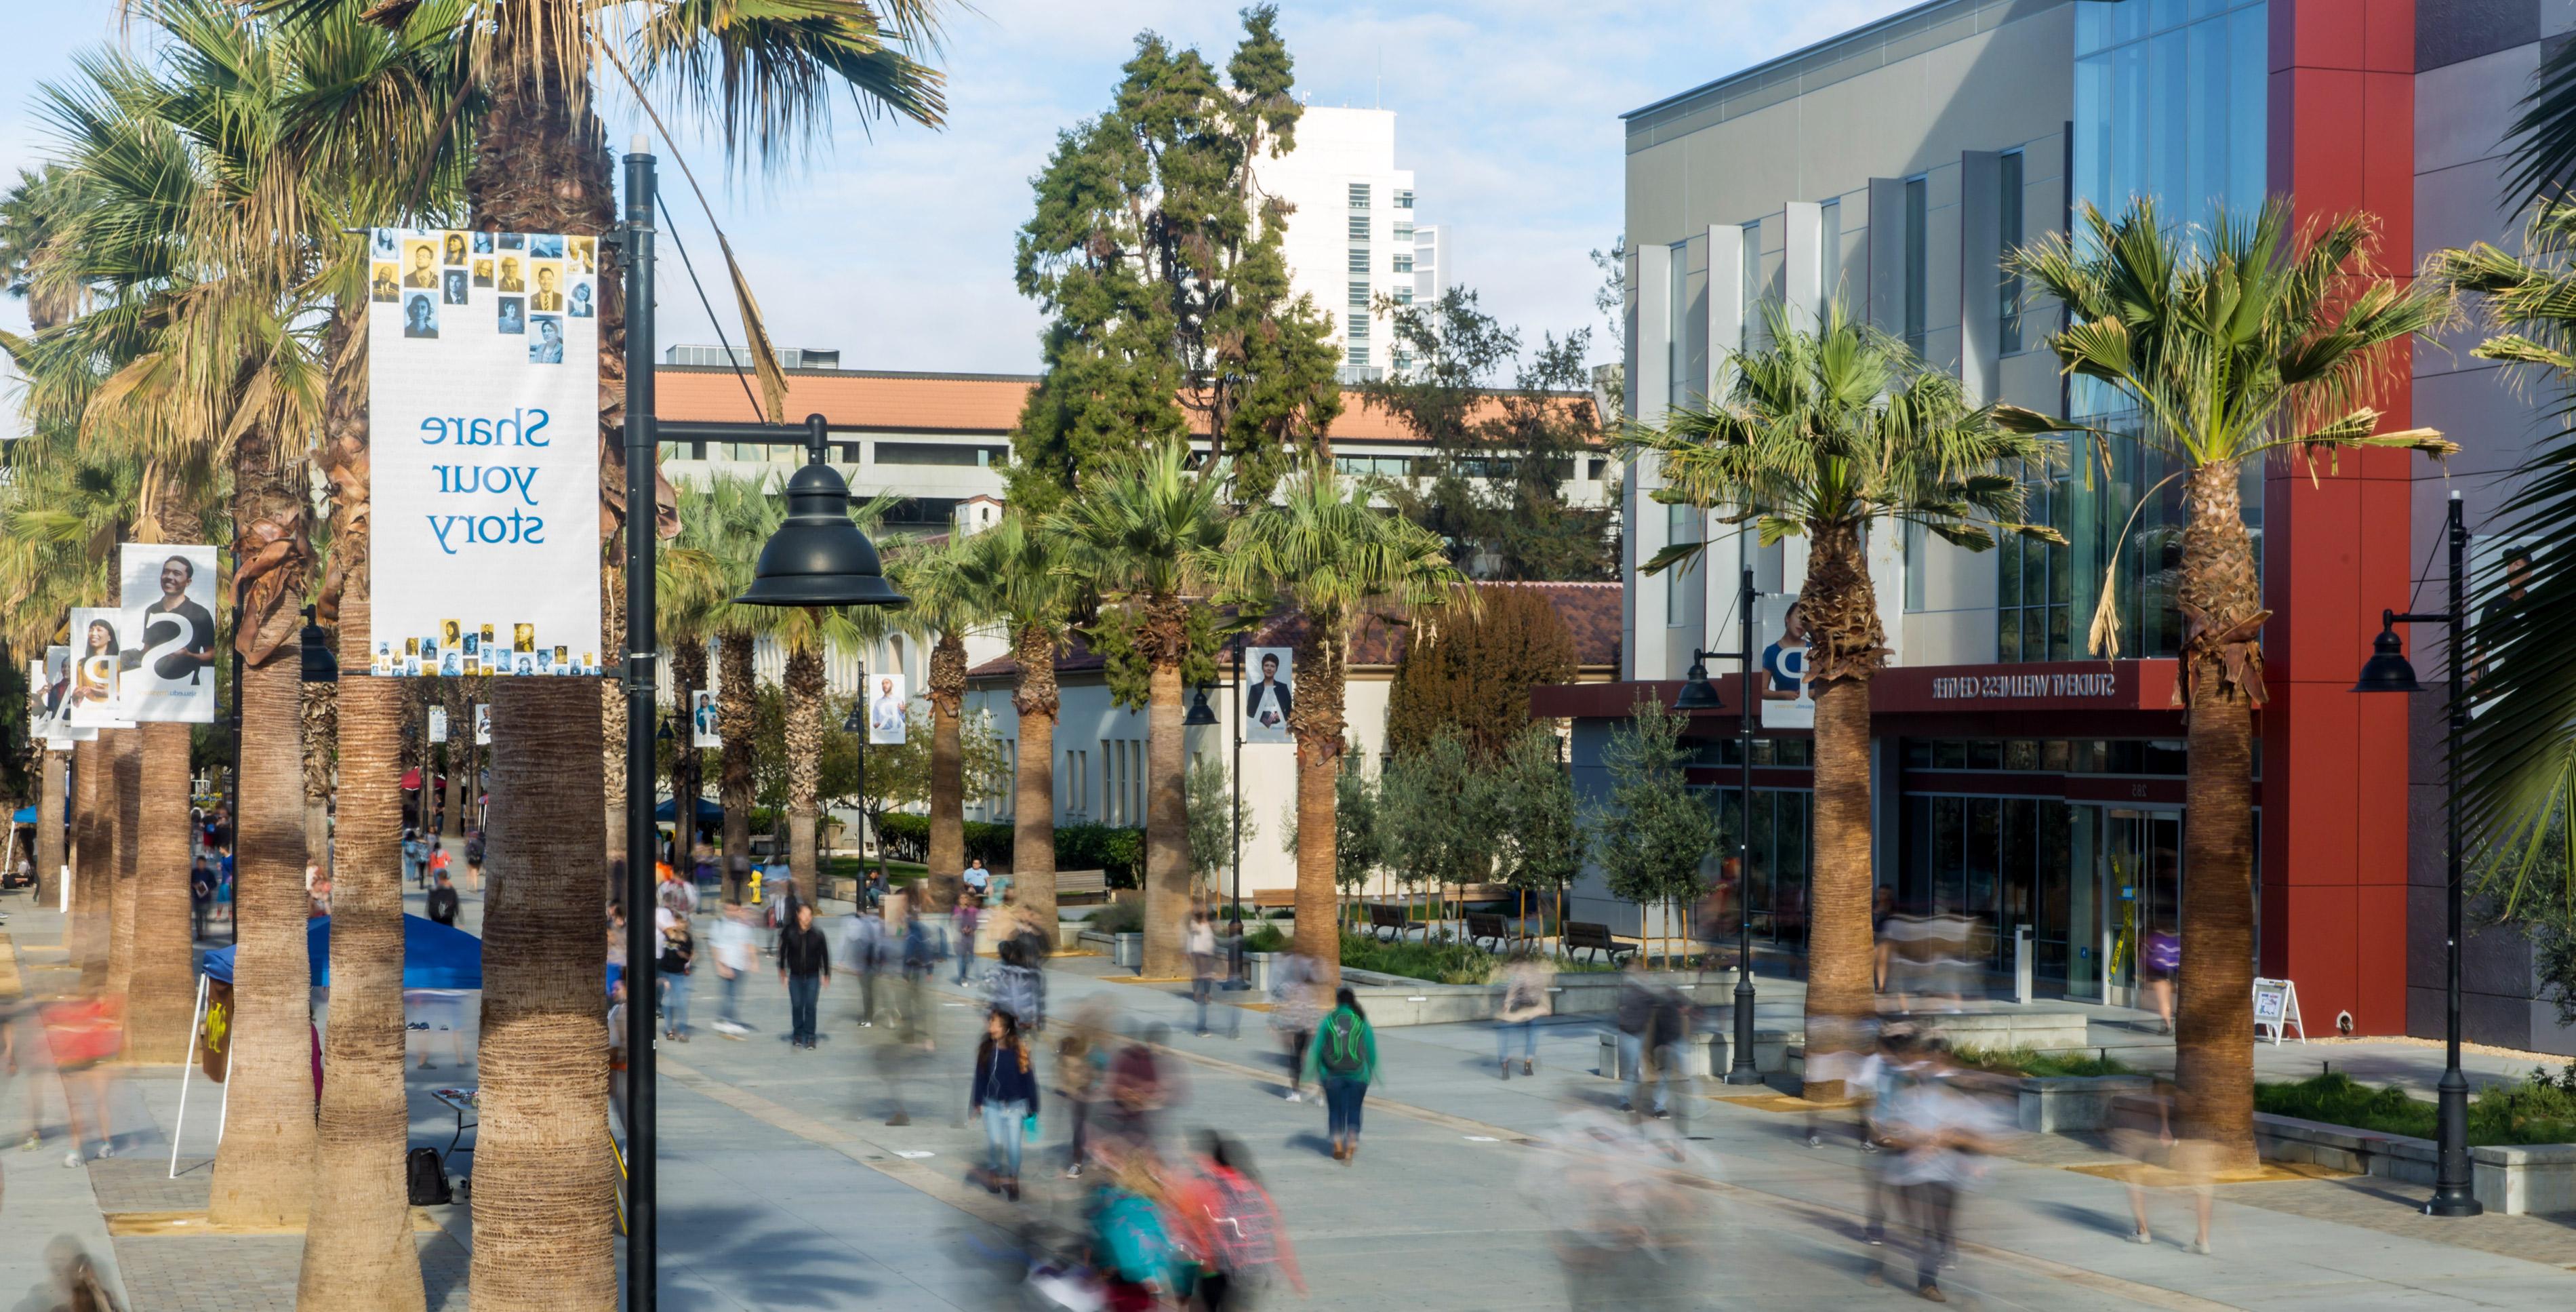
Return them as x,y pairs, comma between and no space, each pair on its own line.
320,666
1697,694
819,557
1200,712
2387,670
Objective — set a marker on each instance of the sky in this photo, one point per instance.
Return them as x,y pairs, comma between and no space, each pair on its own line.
893,242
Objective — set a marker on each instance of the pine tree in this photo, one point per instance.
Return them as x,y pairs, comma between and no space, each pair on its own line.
1473,673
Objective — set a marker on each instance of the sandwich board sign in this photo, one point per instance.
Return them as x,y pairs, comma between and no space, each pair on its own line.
2276,1008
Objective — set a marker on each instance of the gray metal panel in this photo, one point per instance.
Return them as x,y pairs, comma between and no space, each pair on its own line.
1802,261
1981,250
1887,254
1649,385
1725,303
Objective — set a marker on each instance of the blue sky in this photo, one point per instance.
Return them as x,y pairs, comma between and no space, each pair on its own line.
893,243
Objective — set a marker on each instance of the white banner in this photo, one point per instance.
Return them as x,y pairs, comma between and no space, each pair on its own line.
482,724
99,647
704,731
1788,693
1267,674
483,358
170,666
438,724
885,710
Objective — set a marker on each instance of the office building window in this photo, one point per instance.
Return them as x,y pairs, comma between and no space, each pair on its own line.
1750,330
1682,582
1359,295
1404,262
1359,195
2008,218
1382,466
1404,198
1830,276
2034,581
1359,326
1917,261
939,453
1359,227
1403,231
1356,353
1399,361
1403,294
1917,563
1677,388
1359,261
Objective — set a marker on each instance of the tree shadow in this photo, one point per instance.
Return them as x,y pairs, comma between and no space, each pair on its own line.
759,1258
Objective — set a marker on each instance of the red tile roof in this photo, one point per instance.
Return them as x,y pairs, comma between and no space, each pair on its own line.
1590,612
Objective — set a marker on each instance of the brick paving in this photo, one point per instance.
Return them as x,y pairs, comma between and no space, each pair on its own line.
255,1273
2395,1207
140,1182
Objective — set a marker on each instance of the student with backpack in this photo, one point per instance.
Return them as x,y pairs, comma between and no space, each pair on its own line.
1006,1096
1343,1058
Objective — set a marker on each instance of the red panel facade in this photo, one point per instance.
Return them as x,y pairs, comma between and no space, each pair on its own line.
2336,552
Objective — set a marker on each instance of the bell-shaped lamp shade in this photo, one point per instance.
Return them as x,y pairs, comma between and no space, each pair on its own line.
1200,712
663,734
320,666
1698,694
819,557
855,722
2387,669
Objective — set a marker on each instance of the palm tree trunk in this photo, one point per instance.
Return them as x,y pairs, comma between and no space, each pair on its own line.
689,677
543,1189
264,1163
1033,782
805,688
612,696
358,1249
93,866
49,822
161,981
1316,719
1167,819
2213,1028
947,855
321,731
460,736
737,709
124,784
1838,943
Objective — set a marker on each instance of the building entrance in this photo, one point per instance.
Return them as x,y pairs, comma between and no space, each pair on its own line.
2141,881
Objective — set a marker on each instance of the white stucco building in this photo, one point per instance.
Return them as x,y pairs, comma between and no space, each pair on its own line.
1351,236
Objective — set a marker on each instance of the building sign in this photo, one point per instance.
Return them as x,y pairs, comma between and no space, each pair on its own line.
2276,1008
483,359
2101,684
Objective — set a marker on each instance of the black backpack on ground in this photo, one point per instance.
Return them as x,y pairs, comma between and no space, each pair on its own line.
427,1178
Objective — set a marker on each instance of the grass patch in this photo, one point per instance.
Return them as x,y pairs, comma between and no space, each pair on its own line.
2042,1065
1439,962
2540,1109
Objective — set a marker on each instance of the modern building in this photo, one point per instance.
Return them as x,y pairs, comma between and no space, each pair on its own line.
2017,780
1435,266
1351,237
1100,746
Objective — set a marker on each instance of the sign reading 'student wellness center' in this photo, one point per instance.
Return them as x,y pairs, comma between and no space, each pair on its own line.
483,352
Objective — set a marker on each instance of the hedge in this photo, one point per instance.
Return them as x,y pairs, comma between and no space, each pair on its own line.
1121,852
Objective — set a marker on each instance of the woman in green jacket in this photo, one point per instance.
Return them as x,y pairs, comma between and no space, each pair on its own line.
1343,1059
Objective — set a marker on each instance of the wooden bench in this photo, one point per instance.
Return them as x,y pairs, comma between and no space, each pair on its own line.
1273,899
1493,925
1081,883
1578,935
1383,917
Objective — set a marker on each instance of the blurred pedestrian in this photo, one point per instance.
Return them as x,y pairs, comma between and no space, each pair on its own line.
1005,1094
1524,987
1082,1071
201,896
415,856
679,958
84,1035
1295,1007
1635,1017
1882,906
442,903
1138,1090
804,966
2190,1161
969,912
474,863
1345,1061
1016,987
2162,956
439,858
864,945
1944,1133
735,947
1233,1226
1131,1240
1198,939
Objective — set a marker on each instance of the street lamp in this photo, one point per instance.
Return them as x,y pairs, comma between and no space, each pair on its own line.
320,666
1699,694
1201,714
2454,1183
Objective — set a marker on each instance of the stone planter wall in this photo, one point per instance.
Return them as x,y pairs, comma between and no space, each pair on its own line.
2057,1104
2511,1179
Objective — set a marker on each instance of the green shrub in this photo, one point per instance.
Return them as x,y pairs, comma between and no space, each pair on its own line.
2042,1065
1265,939
1119,851
906,837
1118,918
1441,962
2540,1109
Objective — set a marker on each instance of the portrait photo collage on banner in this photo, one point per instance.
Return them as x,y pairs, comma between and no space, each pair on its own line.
483,352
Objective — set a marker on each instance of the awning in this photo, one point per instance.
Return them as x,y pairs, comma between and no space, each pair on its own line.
435,956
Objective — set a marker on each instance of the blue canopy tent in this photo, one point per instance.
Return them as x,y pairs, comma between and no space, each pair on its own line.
27,816
708,812
435,956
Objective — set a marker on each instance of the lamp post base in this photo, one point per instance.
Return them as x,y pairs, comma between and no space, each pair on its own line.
1742,1071
2454,1191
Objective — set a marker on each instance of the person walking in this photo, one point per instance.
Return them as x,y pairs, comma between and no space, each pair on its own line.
969,913
1943,1133
1344,1058
804,966
864,952
1233,1225
1006,1096
201,895
1293,1013
1635,1016
439,858
474,864
1082,1070
735,946
442,900
1198,938
679,955
415,858
1524,983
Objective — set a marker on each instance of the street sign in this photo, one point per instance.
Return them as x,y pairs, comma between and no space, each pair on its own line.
2276,1008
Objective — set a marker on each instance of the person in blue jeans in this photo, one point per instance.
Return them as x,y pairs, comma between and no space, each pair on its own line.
969,913
1343,1058
805,964
1006,1093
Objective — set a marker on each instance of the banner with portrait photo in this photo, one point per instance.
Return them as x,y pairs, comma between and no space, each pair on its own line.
704,729
99,650
483,360
170,628
1788,692
886,704
51,697
482,724
1268,673
438,724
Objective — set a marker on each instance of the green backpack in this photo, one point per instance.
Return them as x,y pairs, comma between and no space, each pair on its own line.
1343,1053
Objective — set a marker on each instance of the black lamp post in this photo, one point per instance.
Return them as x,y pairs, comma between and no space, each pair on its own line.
2454,1180
856,722
1698,694
817,558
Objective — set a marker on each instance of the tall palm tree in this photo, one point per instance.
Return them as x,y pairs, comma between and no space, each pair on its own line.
721,529
2235,343
947,602
1831,432
1322,548
1143,534
1021,571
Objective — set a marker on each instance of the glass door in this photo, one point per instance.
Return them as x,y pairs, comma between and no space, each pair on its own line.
2141,893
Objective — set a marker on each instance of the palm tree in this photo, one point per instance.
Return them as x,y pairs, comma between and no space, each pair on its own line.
1324,549
1020,570
1143,533
1831,432
721,529
2233,343
948,600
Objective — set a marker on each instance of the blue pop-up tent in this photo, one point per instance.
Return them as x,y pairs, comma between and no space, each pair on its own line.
435,956
26,816
708,812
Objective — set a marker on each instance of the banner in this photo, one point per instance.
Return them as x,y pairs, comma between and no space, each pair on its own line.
1267,672
49,696
1788,695
482,724
886,711
170,664
702,716
438,724
99,649
483,359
